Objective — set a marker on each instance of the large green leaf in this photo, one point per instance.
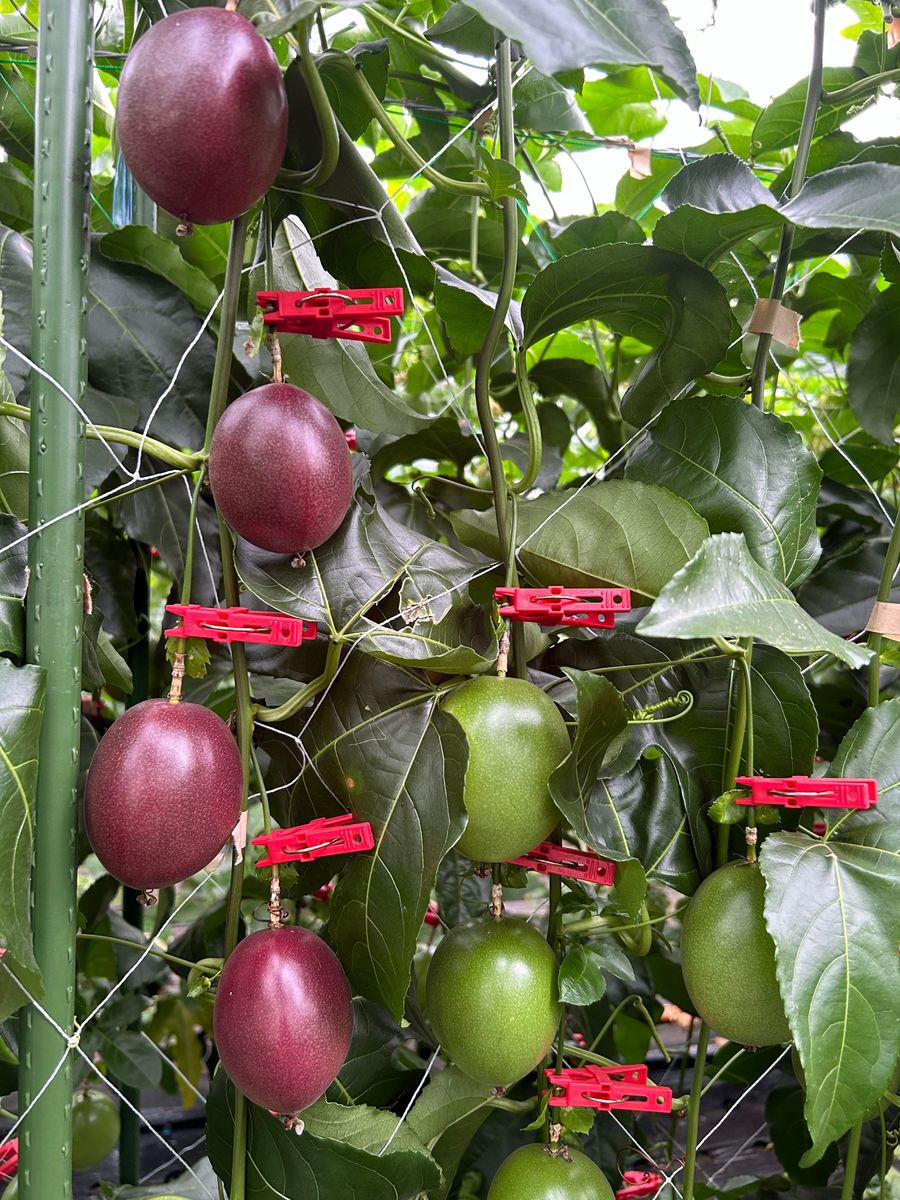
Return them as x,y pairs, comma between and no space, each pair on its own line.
462,29
724,592
859,196
619,533
832,911
744,471
339,1155
871,750
660,298
13,565
840,593
17,103
873,372
445,1118
21,710
543,105
778,125
604,33
140,245
380,747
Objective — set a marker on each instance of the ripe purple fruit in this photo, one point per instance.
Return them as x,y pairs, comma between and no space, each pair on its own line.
279,468
163,793
283,1018
202,115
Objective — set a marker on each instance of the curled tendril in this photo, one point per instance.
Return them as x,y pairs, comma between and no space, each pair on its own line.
683,701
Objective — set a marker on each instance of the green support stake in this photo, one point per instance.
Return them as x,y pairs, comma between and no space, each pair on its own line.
55,604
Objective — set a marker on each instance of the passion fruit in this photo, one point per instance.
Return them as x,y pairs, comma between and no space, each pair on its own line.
492,998
279,468
728,958
163,793
534,1173
202,115
283,1018
517,739
95,1128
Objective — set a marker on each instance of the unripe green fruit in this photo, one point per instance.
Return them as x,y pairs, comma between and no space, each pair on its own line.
493,1000
728,958
532,1173
517,739
95,1128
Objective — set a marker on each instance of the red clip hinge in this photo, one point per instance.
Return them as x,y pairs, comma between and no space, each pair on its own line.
608,1087
550,859
9,1159
350,435
321,838
639,1183
801,791
240,625
594,608
355,314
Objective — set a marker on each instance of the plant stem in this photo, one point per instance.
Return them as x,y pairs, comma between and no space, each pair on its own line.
798,175
735,749
532,424
191,540
862,87
218,394
124,437
308,692
600,924
573,1051
851,1161
747,679
324,115
721,1071
693,1118
888,571
142,948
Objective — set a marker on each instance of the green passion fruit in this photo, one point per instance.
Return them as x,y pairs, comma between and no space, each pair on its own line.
517,739
728,958
279,469
95,1128
534,1173
492,998
202,115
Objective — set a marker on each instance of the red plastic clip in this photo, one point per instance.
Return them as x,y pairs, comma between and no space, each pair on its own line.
360,315
608,1087
9,1159
639,1183
350,435
240,625
550,859
321,838
593,608
802,791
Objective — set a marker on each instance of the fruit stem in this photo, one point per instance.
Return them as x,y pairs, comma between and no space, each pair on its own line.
573,1051
693,1111
736,746
888,571
798,175
308,692
851,1161
747,680
276,912
144,949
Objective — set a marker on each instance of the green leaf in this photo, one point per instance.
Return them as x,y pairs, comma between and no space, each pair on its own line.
21,709
660,298
17,106
723,592
778,125
13,565
446,1117
840,593
379,746
602,721
463,642
339,1154
790,1137
744,471
13,460
585,33
871,750
832,912
501,177
624,105
463,30
130,1056
874,367
372,1073
543,105
140,245
618,533
581,978
859,196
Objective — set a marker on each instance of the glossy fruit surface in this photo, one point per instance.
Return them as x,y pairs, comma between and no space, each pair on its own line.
163,793
530,1173
492,998
202,115
728,958
279,468
283,1018
517,738
95,1128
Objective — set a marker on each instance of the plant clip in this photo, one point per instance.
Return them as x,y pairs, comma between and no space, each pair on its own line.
550,859
240,625
593,608
350,435
802,791
322,838
358,315
639,1183
9,1159
607,1088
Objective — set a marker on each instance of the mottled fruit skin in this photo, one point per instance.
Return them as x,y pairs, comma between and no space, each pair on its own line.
492,999
95,1128
728,958
163,793
279,468
530,1173
283,1018
202,115
517,739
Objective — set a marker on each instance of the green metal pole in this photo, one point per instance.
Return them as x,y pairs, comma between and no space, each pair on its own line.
55,606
